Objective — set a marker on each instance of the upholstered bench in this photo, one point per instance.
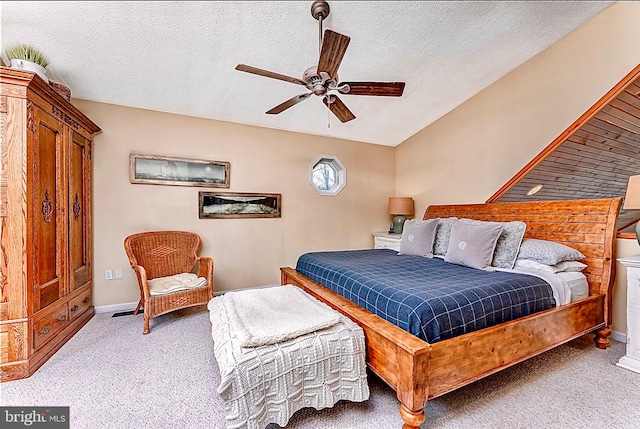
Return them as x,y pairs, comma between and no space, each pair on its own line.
287,369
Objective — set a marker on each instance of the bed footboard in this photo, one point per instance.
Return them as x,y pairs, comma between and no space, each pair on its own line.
400,359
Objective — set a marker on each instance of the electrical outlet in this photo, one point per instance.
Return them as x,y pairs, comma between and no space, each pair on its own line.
108,274
117,273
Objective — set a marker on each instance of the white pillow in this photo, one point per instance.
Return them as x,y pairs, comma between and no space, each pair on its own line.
570,266
547,252
561,267
417,237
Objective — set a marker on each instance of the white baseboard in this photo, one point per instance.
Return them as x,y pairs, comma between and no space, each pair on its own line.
130,306
619,336
125,306
629,363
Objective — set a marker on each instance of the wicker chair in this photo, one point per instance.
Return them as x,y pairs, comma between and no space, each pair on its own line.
156,254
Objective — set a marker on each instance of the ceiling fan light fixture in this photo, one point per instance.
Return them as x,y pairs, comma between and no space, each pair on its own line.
319,90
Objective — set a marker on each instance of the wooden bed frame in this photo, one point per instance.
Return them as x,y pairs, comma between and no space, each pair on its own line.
419,371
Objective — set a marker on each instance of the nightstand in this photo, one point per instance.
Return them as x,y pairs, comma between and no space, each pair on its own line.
384,240
631,360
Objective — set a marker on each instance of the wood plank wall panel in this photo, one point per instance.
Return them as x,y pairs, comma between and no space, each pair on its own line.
593,161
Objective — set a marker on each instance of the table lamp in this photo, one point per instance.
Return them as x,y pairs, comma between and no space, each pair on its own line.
631,201
400,207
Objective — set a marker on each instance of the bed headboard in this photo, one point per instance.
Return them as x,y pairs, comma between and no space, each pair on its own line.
586,225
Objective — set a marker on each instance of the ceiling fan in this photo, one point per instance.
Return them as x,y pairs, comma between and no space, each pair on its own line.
323,78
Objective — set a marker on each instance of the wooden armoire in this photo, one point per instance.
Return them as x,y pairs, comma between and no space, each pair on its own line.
45,222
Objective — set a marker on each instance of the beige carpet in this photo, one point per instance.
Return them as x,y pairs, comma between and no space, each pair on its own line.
114,377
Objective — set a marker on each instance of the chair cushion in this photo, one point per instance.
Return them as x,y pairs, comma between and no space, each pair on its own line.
175,283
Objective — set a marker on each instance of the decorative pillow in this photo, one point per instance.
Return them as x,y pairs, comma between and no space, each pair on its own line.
472,245
547,252
508,244
562,267
417,237
443,232
570,266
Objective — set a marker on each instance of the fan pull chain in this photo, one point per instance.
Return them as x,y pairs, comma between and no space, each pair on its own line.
320,53
320,33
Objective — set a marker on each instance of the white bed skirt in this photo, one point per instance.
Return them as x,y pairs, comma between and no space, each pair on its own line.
267,384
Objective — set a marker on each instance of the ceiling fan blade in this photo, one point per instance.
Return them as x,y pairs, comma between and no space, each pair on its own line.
338,108
334,45
266,73
386,89
289,103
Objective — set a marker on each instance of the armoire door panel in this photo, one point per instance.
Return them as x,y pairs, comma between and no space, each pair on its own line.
79,204
4,220
45,147
48,212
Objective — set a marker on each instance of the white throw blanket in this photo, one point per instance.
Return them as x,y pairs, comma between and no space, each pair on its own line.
267,384
272,315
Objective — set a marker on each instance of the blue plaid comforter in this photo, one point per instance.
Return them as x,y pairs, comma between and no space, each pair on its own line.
430,298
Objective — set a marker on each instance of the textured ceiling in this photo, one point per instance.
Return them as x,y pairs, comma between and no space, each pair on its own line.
180,57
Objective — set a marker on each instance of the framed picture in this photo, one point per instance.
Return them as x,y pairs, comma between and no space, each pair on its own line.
164,170
220,205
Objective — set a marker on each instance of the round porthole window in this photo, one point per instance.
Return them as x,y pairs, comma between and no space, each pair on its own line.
327,175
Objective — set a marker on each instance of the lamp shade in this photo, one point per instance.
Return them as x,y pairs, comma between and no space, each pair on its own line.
400,206
632,200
